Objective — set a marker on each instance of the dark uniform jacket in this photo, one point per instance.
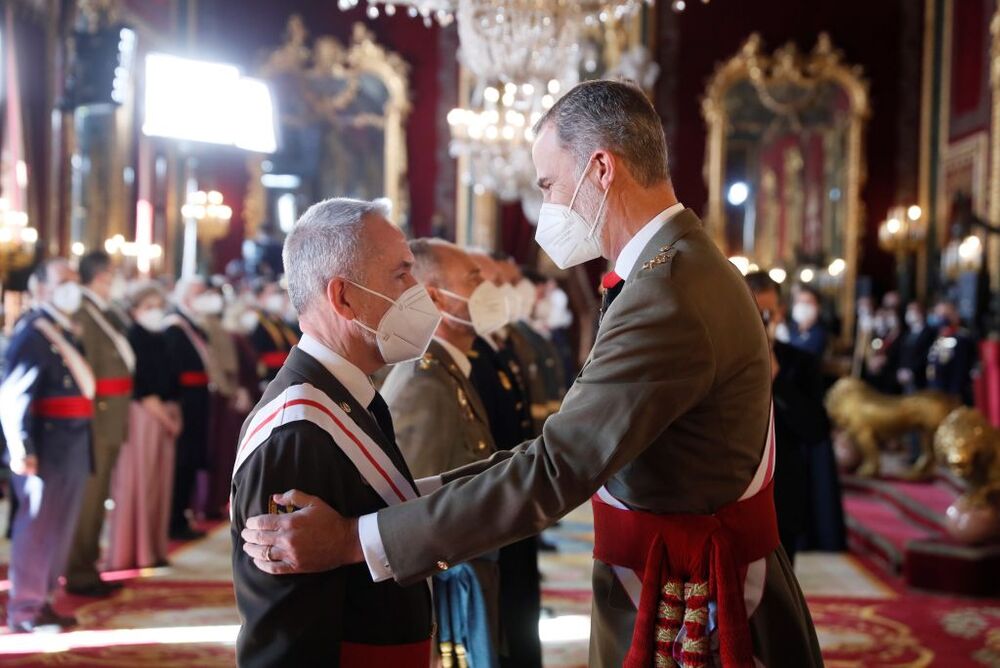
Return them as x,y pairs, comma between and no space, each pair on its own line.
185,364
271,339
503,397
300,620
36,371
110,412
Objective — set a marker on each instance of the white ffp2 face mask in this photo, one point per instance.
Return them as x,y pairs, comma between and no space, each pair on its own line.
152,319
487,308
406,329
208,303
527,296
565,235
67,297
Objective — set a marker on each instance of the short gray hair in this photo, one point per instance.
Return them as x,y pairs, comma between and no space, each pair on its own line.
616,116
326,242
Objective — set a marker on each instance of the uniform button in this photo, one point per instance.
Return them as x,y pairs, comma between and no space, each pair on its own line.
480,446
102,405
442,565
67,381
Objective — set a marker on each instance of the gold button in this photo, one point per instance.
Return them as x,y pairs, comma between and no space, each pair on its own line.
67,382
442,565
102,405
480,446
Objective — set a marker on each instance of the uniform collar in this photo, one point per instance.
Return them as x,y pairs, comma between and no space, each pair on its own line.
460,358
349,375
633,249
99,302
61,319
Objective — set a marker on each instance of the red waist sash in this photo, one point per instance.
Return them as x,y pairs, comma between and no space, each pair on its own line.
194,379
114,387
412,655
684,562
63,408
274,360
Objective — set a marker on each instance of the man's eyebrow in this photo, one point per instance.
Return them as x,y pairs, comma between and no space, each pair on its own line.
405,265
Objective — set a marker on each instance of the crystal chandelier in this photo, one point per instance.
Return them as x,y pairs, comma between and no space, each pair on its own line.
444,11
495,135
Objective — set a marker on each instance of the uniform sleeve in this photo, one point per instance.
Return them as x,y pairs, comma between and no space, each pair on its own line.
650,365
284,616
25,363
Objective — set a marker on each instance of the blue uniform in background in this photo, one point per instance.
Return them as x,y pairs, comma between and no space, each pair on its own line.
45,411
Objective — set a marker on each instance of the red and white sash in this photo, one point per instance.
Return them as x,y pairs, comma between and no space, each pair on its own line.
753,586
120,342
82,374
308,403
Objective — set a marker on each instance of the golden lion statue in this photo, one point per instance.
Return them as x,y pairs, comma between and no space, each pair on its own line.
869,417
969,445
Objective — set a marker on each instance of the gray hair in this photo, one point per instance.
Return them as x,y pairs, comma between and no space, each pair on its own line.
326,242
616,116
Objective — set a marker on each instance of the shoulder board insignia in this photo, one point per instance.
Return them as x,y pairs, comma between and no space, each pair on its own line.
472,354
665,255
426,361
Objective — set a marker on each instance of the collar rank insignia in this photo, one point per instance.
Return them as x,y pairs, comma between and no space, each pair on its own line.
665,255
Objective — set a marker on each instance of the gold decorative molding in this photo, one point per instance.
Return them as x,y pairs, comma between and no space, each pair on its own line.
790,68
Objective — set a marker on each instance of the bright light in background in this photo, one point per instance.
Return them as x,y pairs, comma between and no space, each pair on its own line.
778,275
51,643
893,225
970,248
78,248
564,629
281,181
837,267
914,212
807,275
207,102
286,212
741,263
738,193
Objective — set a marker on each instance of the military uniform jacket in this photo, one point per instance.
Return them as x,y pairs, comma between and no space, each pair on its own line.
670,413
109,363
185,366
272,339
300,620
502,395
441,423
550,369
36,373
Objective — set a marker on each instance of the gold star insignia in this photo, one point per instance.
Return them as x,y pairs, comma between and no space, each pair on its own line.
665,255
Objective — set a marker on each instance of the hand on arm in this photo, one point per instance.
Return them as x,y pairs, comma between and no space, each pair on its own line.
312,539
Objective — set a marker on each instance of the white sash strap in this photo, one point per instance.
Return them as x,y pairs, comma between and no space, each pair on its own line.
199,343
75,362
753,587
120,342
308,403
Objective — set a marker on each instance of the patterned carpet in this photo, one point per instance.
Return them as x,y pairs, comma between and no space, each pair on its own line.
184,615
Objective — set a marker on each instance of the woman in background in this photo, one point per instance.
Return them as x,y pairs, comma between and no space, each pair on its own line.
143,478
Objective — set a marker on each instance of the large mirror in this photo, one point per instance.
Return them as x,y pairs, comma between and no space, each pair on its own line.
341,115
784,165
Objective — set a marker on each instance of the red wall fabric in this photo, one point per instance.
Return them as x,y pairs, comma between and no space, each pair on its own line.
694,42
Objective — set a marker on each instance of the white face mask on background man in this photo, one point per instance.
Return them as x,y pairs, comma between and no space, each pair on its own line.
527,296
406,329
67,297
208,303
565,235
275,304
805,314
487,308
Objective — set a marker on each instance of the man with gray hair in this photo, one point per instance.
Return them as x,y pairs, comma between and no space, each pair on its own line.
667,429
322,428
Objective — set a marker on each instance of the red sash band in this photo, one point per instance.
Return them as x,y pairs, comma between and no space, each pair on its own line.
686,560
63,408
194,379
412,655
274,360
114,387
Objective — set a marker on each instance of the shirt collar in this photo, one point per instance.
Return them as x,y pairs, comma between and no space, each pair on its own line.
460,358
350,376
101,303
633,249
61,319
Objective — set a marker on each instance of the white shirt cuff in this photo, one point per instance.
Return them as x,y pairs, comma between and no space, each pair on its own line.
429,485
374,550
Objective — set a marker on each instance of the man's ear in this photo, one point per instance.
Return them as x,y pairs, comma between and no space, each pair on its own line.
435,294
605,167
336,296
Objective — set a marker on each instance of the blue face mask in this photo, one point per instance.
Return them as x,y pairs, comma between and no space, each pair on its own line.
935,321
